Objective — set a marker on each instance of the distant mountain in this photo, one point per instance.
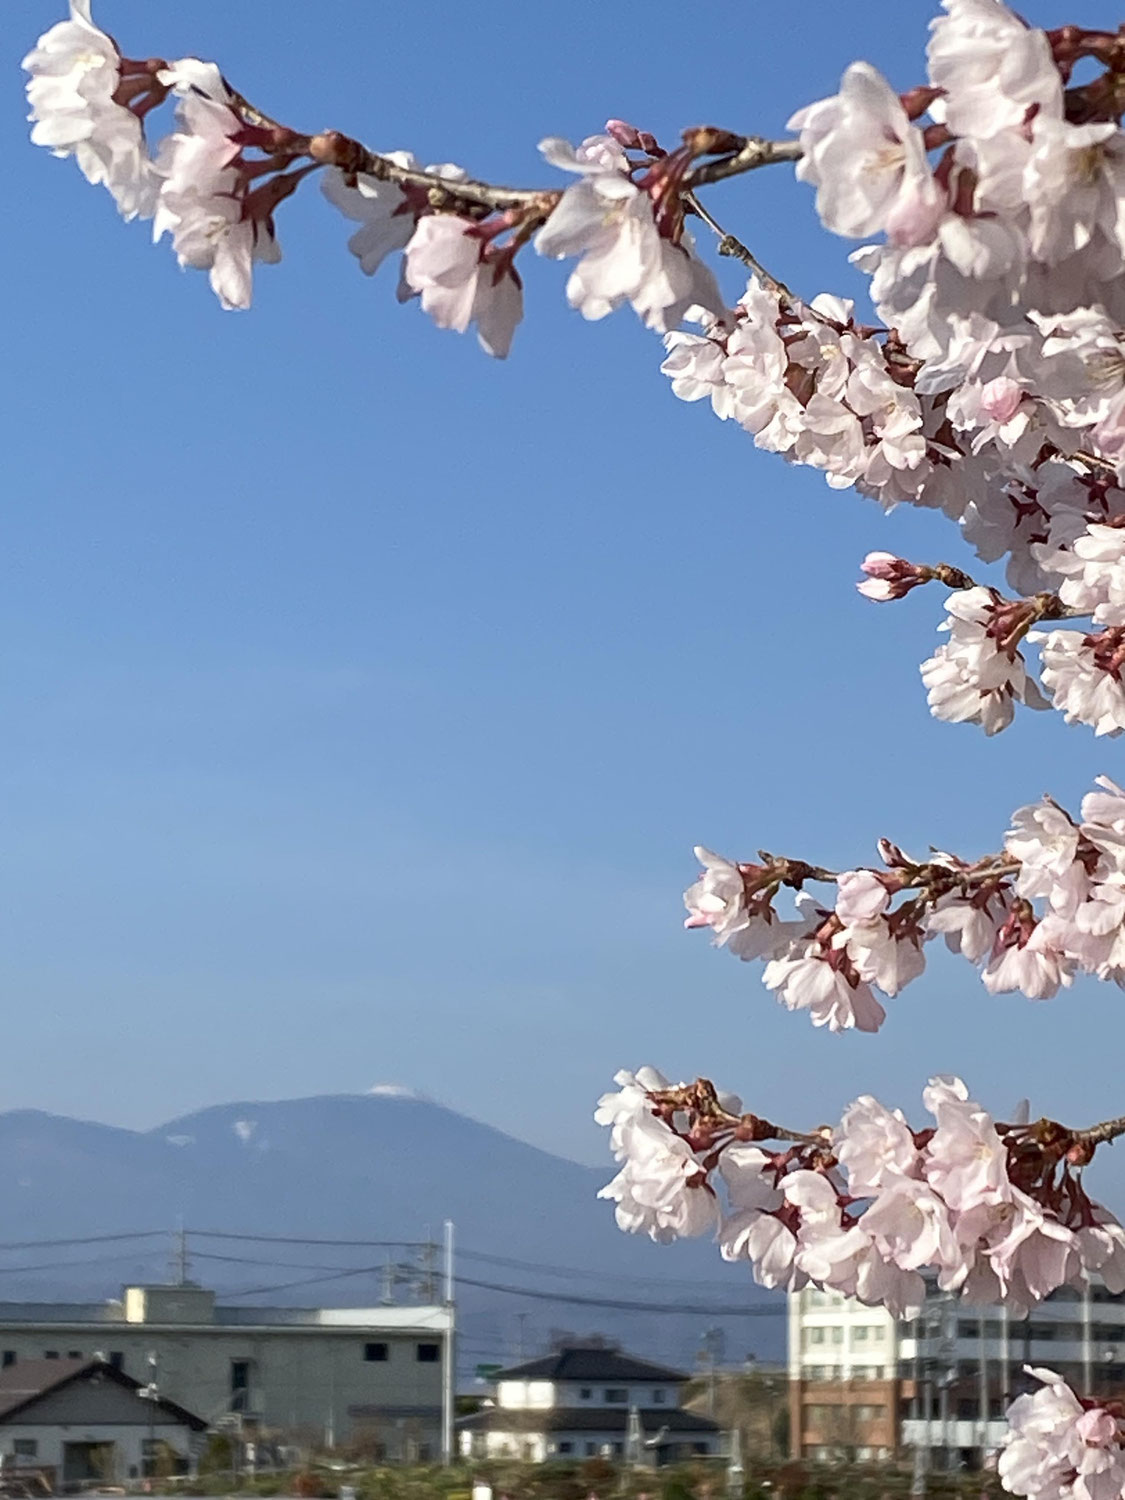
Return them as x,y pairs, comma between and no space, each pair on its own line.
386,1166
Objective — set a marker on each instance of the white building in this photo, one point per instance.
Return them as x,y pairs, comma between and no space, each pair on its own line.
580,1403
78,1421
863,1383
312,1374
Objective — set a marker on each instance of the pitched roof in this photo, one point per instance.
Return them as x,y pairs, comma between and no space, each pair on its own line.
585,1419
589,1364
28,1380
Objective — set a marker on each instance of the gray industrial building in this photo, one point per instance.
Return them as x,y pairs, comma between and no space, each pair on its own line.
327,1375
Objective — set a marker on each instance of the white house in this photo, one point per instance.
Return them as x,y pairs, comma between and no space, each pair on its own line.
576,1403
82,1421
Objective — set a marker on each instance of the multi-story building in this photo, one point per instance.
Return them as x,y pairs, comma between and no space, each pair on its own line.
843,1378
587,1401
326,1374
865,1386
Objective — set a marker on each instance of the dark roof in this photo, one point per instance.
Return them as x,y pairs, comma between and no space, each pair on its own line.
28,1380
585,1419
589,1364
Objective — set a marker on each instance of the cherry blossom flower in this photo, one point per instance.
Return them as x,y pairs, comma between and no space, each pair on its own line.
1045,841
718,900
381,208
462,279
874,1146
867,161
992,68
831,992
860,896
1083,672
978,677
217,221
1059,1448
969,924
74,92
608,221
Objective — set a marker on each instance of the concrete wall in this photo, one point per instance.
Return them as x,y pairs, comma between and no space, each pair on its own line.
301,1380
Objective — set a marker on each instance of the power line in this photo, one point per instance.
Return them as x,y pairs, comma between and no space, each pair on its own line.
90,1239
739,1310
586,1273
289,1239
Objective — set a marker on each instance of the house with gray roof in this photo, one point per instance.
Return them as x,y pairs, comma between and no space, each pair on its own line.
584,1402
83,1421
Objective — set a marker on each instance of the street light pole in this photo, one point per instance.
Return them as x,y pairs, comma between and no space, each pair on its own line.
449,1373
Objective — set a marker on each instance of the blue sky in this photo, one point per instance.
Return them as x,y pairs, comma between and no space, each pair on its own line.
362,698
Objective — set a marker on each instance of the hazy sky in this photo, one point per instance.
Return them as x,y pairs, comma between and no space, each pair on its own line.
363,698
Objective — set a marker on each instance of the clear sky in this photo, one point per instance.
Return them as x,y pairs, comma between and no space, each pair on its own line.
362,698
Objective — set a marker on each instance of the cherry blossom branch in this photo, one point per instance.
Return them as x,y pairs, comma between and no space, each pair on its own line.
730,246
998,1213
1031,916
1096,1135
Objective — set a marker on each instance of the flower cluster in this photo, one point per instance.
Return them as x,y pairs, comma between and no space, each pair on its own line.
1049,905
996,1213
1060,1447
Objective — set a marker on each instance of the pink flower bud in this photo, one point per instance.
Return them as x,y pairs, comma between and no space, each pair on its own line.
624,134
889,577
1097,1428
1000,399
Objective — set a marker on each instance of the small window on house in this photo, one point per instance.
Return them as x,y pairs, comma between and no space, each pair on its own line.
591,1449
658,1397
50,1354
585,1393
816,1335
428,1354
616,1395
25,1448
117,1359
74,1354
861,1335
566,1448
375,1353
837,1335
8,1358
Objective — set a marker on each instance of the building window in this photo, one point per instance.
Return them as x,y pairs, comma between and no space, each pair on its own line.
861,1335
376,1353
837,1335
428,1354
816,1335
658,1398
565,1448
50,1354
615,1395
585,1393
25,1448
8,1358
240,1385
117,1359
877,1334
591,1450
74,1354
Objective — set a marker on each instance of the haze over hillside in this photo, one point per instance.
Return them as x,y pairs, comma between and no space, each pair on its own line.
379,1167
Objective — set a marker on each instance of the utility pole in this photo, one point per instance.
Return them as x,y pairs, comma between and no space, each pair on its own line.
180,1262
449,1370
